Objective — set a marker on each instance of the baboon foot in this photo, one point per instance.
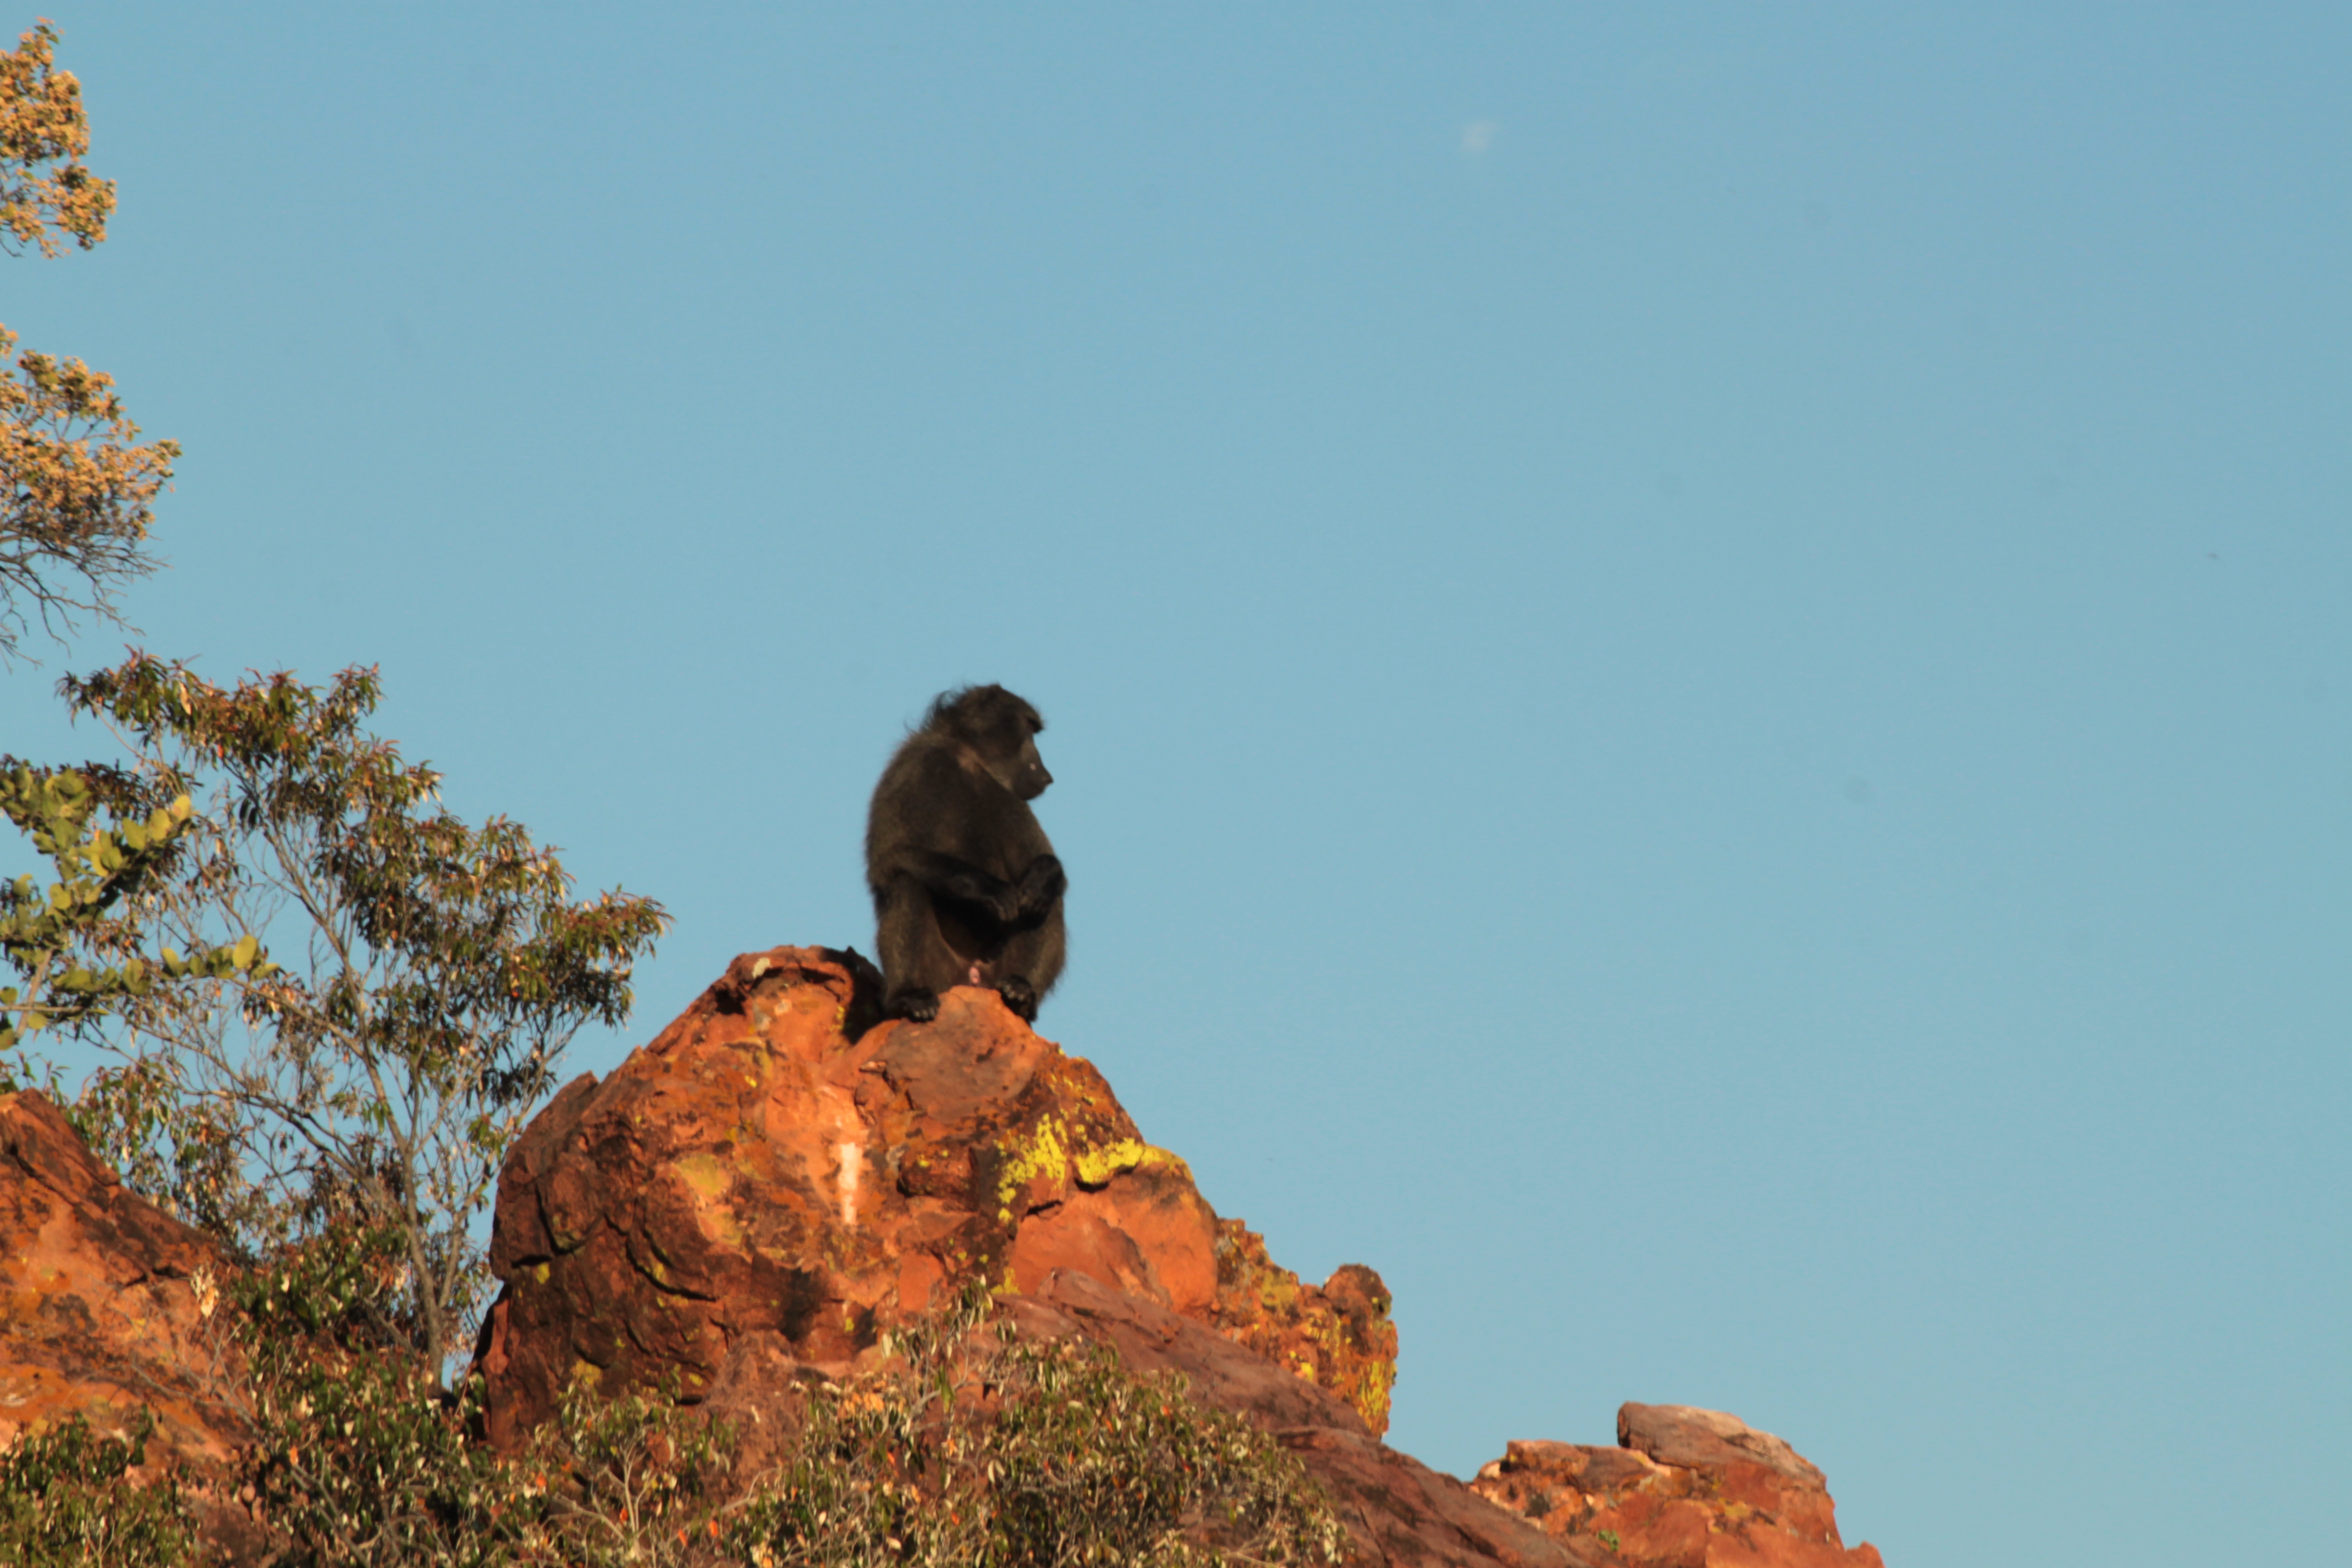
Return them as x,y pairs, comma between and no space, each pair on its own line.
1020,996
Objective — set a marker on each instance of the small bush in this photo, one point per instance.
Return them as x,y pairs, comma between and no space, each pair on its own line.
68,1498
628,1482
360,1457
966,1448
976,1448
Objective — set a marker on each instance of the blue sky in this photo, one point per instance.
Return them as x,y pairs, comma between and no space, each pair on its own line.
1696,656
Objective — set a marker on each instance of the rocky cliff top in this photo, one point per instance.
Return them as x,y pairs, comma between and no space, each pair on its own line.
769,1183
757,1194
740,1213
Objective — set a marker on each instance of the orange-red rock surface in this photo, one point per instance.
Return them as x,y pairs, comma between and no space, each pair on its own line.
770,1182
101,1313
775,1178
1683,1489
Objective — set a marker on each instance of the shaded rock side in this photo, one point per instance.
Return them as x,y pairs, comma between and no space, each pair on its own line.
1684,1488
767,1186
108,1300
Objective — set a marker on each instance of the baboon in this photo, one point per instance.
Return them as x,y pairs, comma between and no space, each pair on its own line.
967,890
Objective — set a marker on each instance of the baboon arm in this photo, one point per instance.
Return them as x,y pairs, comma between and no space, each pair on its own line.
1041,884
959,879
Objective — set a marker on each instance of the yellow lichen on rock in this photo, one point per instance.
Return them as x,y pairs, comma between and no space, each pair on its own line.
1337,1336
1040,1153
705,1173
1097,1166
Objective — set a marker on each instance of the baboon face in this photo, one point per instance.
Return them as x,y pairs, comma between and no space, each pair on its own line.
1013,758
1001,730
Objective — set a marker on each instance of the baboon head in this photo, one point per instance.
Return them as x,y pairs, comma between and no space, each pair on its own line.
998,729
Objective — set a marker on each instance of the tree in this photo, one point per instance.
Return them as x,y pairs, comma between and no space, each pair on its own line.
76,490
378,1080
373,1086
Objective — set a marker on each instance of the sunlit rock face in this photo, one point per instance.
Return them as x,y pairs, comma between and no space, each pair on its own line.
753,1197
776,1178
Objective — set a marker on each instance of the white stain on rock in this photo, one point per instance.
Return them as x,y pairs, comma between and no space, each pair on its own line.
852,1167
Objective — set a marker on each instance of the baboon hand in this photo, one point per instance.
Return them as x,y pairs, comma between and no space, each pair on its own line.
917,1002
1041,885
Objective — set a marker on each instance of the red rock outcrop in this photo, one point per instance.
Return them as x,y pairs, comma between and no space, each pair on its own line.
768,1184
752,1197
1683,1489
108,1301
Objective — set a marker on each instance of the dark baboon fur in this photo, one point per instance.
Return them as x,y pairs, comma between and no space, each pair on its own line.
967,890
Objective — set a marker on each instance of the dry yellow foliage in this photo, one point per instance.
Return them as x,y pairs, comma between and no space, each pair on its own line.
77,490
41,123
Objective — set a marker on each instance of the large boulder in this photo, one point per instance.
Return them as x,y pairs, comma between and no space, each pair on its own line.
771,1183
1684,1488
